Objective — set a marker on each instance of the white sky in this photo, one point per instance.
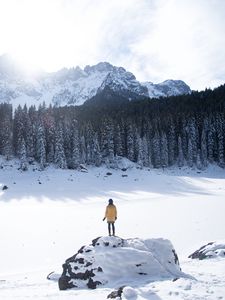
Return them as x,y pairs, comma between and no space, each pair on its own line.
154,39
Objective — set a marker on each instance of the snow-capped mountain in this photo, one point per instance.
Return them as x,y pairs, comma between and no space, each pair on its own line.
167,88
75,86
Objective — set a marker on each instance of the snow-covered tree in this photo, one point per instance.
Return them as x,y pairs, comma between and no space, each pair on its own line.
60,158
75,155
203,154
40,147
180,158
23,156
156,150
130,141
164,151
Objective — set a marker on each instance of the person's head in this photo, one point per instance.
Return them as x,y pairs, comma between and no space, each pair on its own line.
110,201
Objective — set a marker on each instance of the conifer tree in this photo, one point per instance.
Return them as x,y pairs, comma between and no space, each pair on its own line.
171,143
97,157
41,147
6,146
130,141
75,155
23,155
180,158
156,150
164,151
60,158
203,153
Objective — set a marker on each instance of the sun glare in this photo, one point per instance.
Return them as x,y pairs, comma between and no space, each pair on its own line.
36,38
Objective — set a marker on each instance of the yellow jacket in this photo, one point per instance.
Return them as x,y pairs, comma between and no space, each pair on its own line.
111,213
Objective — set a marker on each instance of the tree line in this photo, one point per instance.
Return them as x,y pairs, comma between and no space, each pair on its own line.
182,130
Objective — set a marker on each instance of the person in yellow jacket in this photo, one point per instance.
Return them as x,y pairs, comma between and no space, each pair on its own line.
111,216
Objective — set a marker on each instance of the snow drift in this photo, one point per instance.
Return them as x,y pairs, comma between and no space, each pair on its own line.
114,261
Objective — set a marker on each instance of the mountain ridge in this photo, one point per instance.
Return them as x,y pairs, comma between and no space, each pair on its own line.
74,86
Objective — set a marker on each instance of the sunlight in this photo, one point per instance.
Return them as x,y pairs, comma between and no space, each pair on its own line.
37,37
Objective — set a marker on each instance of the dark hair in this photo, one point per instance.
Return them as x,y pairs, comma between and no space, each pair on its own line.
110,201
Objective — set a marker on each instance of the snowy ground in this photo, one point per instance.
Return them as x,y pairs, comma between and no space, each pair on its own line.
45,217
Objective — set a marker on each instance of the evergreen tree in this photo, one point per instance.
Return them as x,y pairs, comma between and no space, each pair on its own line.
118,142
144,158
171,143
192,136
60,158
41,147
23,156
97,157
190,153
164,151
107,141
18,128
75,161
6,147
130,141
203,153
210,142
82,150
180,159
156,150
49,125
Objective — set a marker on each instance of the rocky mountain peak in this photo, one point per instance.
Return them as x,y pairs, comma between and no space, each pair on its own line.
100,67
74,86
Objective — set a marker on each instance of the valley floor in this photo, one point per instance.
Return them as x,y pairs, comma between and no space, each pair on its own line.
45,217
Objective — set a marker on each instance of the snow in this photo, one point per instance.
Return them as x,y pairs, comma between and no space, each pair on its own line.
167,88
120,262
45,217
74,86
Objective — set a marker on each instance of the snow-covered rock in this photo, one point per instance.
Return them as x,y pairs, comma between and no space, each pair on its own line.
212,249
167,88
114,261
75,86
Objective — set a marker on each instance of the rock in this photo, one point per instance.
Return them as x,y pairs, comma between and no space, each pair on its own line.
49,275
93,284
116,294
108,259
53,276
64,283
4,187
82,168
212,249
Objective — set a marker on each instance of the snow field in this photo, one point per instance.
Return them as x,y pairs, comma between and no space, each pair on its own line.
45,217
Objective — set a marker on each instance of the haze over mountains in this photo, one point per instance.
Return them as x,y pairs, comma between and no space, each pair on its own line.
75,86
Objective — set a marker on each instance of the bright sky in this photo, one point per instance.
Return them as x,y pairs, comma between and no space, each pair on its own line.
154,39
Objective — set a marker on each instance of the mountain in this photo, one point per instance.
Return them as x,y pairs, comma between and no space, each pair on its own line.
75,86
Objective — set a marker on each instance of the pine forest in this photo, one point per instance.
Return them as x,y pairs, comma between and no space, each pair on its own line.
155,133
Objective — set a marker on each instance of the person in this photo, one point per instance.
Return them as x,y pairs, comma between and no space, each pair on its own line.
111,216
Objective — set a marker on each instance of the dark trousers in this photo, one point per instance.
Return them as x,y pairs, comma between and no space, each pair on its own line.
111,224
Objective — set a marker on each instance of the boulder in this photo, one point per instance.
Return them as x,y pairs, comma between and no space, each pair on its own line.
116,294
113,261
212,249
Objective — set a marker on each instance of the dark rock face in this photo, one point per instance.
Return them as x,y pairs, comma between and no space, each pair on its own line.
210,250
80,269
64,283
